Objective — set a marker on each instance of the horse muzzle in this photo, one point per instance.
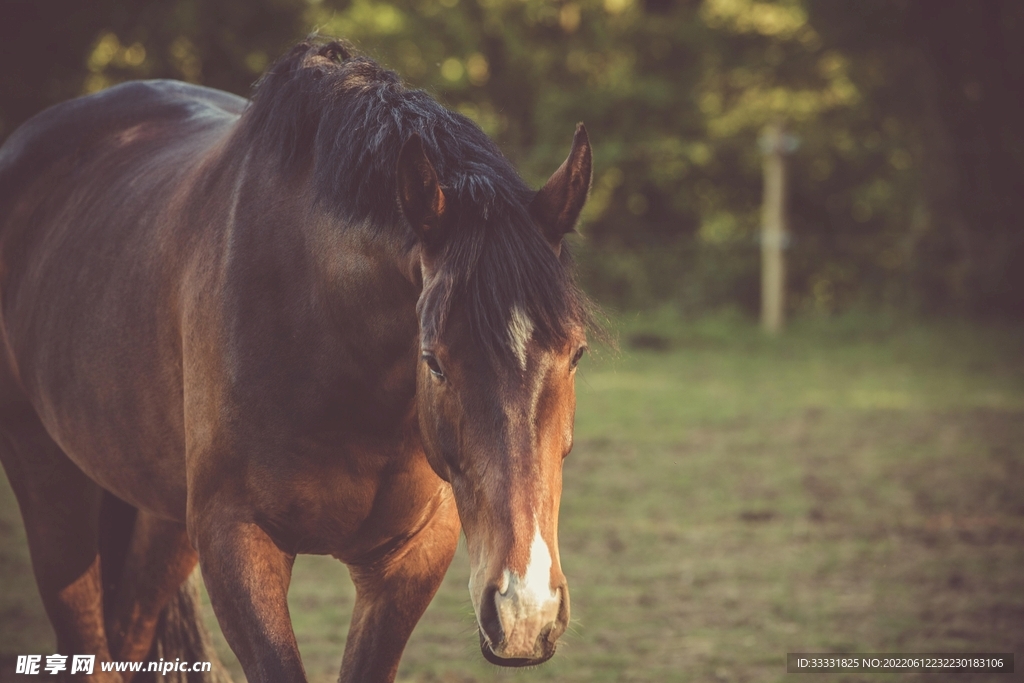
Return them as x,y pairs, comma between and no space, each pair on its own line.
519,627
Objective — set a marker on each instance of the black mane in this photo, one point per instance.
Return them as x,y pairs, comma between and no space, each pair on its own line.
324,105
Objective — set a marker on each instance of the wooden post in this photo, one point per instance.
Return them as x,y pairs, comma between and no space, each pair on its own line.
774,143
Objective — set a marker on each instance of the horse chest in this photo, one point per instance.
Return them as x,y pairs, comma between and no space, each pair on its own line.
347,505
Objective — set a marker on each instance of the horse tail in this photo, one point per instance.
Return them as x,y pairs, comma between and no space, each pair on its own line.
180,633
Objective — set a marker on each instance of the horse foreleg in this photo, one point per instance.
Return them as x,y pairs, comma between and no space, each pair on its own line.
393,593
60,508
158,561
247,577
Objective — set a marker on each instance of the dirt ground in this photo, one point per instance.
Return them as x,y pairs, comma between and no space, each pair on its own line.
727,503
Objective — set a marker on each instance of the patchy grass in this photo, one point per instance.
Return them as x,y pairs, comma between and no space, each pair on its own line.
854,485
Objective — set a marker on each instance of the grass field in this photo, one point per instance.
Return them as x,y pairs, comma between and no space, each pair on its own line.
856,485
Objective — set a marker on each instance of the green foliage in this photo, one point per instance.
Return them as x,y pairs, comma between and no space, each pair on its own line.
905,190
675,95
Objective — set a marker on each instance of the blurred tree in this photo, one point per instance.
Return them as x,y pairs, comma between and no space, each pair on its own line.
43,46
975,52
56,49
906,190
945,80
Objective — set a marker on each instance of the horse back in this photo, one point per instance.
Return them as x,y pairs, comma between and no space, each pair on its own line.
71,128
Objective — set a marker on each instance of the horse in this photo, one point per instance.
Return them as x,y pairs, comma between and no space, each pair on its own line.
331,319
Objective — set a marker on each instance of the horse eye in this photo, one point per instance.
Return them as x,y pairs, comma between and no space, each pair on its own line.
576,357
433,365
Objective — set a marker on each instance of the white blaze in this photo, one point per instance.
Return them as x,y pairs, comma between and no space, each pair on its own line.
537,580
520,329
527,603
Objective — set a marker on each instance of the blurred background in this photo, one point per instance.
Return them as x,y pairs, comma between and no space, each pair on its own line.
907,189
854,483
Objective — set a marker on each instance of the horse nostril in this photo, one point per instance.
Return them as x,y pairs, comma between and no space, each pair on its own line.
489,621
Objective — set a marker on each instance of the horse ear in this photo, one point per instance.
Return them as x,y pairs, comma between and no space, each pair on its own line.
557,205
419,192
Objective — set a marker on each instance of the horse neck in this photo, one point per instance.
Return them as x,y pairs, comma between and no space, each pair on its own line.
348,287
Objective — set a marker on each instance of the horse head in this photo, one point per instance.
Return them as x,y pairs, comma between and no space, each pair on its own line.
499,345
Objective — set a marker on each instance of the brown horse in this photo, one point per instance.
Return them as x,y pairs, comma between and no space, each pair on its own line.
331,320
